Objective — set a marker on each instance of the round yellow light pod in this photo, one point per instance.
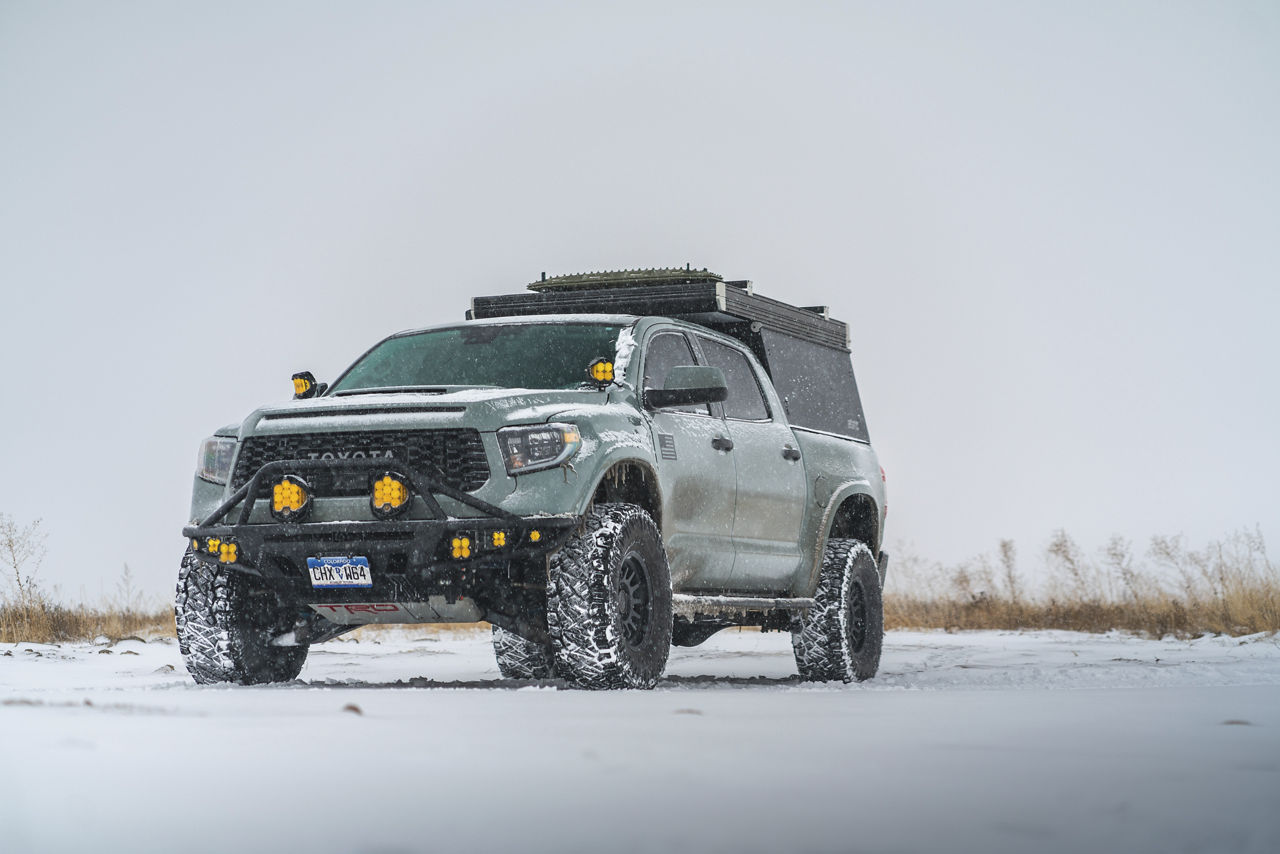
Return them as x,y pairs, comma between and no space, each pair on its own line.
534,536
390,494
289,498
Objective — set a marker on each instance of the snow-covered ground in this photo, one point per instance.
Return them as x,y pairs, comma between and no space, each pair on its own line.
984,742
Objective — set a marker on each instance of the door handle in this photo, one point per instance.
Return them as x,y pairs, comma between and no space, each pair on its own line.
790,453
722,443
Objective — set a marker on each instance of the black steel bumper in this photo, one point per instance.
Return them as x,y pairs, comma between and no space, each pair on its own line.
412,549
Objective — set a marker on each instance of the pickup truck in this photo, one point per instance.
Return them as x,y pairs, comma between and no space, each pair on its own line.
600,468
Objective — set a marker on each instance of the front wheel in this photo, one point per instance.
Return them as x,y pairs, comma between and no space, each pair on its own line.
520,658
609,601
227,627
840,637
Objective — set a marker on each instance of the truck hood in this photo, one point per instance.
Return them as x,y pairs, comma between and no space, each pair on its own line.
484,409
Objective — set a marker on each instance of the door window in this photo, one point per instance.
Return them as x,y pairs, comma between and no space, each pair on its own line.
745,401
667,351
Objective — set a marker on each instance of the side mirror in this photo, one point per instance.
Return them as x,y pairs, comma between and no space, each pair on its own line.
688,385
305,386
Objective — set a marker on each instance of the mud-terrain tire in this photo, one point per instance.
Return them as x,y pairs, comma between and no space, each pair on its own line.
226,622
840,637
609,601
519,658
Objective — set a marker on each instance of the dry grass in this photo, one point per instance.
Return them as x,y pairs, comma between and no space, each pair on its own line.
28,613
1229,587
42,621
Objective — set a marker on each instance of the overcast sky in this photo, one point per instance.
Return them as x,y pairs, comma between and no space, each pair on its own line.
1053,228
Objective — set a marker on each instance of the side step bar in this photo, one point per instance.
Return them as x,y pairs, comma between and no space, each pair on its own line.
723,606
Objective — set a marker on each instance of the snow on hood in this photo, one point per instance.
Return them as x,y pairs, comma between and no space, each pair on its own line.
484,409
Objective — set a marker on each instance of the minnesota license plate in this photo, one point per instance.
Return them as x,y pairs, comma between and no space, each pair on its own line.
339,572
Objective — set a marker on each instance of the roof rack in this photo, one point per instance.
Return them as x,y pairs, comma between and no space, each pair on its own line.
622,278
698,296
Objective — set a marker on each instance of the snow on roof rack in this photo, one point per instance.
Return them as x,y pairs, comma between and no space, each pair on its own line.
697,296
625,278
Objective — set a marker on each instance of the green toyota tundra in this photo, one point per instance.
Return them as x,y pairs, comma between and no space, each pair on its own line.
600,467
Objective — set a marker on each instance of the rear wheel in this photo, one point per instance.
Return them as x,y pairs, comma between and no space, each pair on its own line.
840,637
609,601
519,658
227,627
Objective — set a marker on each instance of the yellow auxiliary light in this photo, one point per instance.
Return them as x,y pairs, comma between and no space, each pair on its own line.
195,545
499,539
304,385
534,536
461,547
390,494
228,552
211,545
290,498
601,370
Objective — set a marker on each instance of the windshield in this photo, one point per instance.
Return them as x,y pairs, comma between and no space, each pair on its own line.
523,355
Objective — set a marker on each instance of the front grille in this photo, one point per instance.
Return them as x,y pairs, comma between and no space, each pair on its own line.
456,456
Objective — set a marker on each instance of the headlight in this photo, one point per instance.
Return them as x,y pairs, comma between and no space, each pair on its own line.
215,459
542,446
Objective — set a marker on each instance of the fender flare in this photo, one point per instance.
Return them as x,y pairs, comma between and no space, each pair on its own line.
611,461
839,495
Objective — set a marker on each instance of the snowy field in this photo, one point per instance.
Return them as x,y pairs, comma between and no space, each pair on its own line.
984,742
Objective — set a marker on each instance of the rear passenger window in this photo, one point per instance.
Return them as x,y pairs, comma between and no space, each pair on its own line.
745,401
667,351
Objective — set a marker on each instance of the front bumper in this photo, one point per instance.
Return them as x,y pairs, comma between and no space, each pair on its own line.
401,552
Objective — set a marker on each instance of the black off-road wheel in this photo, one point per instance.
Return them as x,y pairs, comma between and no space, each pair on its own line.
227,623
841,636
609,601
519,658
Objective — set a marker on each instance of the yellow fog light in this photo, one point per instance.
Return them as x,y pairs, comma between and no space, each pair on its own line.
195,545
461,547
211,545
499,539
534,536
390,495
290,498
601,370
304,385
228,552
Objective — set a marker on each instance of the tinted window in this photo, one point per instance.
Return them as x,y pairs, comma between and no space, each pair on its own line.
745,402
520,355
816,385
665,352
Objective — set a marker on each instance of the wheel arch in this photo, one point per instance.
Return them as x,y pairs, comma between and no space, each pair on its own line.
630,481
856,517
852,512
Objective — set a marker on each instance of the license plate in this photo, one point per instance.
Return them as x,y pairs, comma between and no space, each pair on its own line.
339,572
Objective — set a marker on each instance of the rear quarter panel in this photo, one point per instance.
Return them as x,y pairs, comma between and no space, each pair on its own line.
837,468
